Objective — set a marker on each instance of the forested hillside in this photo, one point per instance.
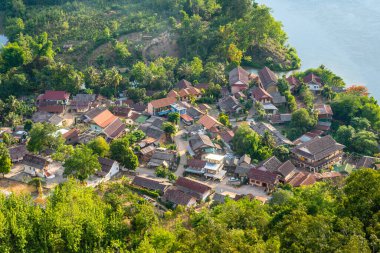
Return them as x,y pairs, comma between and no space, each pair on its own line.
326,217
86,32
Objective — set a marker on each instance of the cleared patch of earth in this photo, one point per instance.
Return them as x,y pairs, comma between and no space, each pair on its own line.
7,185
164,45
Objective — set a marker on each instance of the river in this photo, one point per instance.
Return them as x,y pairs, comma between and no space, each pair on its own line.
3,40
343,35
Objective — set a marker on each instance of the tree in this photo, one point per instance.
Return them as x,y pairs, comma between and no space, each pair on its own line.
268,140
112,79
13,55
282,153
135,136
161,171
360,123
346,106
28,124
136,94
82,164
13,27
169,128
99,146
63,152
260,110
123,153
42,137
37,182
224,119
174,117
122,52
247,141
365,142
5,160
215,73
328,93
358,90
303,120
307,96
345,135
234,55
362,191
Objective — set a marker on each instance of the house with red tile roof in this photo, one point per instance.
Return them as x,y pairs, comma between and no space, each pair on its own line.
209,122
186,94
261,95
71,137
187,120
302,179
103,121
263,178
177,197
324,111
53,101
313,81
268,80
239,80
161,106
293,82
193,187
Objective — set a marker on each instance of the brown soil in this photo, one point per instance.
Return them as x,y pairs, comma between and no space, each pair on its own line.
163,45
16,187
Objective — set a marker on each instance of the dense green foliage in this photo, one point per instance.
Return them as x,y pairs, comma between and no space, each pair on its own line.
121,151
50,42
5,159
42,137
247,141
322,218
359,118
82,163
12,111
99,146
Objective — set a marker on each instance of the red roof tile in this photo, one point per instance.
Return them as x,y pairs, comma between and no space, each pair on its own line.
186,117
209,122
312,78
262,176
104,118
55,95
292,80
259,93
163,102
192,185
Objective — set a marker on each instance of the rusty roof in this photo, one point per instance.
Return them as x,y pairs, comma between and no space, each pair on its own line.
163,102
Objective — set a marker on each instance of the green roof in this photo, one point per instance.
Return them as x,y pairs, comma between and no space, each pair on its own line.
141,119
348,168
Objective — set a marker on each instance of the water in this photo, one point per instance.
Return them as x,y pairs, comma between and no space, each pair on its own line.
344,35
3,40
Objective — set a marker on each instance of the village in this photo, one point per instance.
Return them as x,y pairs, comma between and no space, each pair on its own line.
197,147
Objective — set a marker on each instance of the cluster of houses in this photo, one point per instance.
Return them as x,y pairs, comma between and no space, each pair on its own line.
83,117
